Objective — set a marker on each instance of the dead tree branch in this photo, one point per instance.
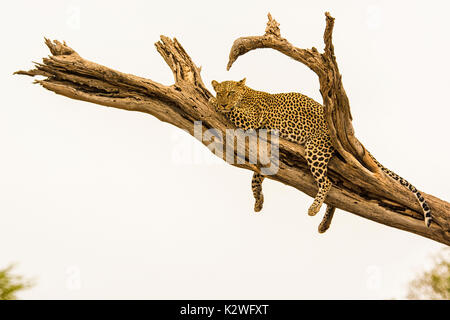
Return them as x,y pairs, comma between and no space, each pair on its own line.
358,186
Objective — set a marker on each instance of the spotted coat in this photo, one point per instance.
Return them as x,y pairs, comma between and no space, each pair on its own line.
299,119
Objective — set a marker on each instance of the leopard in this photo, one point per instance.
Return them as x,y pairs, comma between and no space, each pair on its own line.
299,119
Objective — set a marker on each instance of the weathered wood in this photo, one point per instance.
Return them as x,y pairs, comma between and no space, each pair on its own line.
358,187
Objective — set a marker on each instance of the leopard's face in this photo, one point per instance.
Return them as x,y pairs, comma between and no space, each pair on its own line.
229,94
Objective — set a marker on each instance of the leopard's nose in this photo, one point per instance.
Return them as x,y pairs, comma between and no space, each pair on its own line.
223,105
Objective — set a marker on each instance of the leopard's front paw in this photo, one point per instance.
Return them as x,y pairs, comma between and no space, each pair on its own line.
313,209
213,101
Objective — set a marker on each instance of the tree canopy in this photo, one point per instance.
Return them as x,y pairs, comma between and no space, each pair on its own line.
10,283
435,283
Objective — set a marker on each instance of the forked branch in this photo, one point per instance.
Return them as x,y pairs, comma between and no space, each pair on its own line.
325,66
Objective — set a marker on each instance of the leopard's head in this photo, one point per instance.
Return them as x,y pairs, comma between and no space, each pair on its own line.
229,94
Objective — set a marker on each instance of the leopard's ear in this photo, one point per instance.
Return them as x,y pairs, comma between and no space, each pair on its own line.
242,82
214,84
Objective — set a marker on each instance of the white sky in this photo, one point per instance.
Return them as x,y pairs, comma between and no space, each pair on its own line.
95,204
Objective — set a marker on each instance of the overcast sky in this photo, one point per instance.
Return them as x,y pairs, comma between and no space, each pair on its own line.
100,203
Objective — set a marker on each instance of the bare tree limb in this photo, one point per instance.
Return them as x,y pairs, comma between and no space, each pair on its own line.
333,93
358,187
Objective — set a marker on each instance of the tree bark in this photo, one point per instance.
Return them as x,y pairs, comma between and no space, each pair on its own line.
359,186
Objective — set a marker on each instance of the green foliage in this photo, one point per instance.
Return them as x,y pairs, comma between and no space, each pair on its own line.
434,284
10,284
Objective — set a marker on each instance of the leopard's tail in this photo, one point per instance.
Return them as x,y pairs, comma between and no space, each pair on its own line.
423,204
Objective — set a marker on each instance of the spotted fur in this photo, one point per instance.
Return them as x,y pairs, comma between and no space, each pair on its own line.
423,204
299,119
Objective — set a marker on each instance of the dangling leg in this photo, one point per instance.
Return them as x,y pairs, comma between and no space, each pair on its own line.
257,191
318,153
326,221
